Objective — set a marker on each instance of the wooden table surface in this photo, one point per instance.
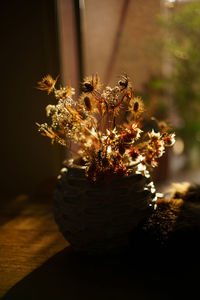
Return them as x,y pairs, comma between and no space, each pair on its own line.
28,238
37,263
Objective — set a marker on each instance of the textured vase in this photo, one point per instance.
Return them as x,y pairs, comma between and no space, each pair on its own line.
99,218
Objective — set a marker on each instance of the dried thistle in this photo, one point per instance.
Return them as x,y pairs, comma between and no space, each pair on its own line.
107,148
47,83
91,84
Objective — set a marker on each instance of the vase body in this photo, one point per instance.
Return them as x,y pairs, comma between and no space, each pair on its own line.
99,218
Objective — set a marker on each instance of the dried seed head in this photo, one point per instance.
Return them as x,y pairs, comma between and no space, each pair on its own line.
87,103
124,82
136,107
91,84
87,87
47,84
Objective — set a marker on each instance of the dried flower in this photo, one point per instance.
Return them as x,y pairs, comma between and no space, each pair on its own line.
136,106
107,148
91,84
169,139
50,109
47,84
134,153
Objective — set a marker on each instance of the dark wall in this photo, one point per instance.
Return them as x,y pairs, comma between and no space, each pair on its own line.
29,50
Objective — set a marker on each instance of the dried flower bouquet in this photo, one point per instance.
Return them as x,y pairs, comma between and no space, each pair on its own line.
114,147
106,123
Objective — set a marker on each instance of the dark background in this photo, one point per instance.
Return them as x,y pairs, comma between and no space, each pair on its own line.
29,51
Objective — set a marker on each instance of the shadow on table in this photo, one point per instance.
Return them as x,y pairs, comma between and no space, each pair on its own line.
142,272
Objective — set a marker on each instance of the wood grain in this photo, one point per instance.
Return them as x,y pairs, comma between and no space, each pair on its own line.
28,237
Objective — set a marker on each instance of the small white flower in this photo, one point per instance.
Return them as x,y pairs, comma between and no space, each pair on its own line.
109,149
50,109
154,135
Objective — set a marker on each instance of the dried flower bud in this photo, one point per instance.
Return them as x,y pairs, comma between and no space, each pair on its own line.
136,106
87,103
